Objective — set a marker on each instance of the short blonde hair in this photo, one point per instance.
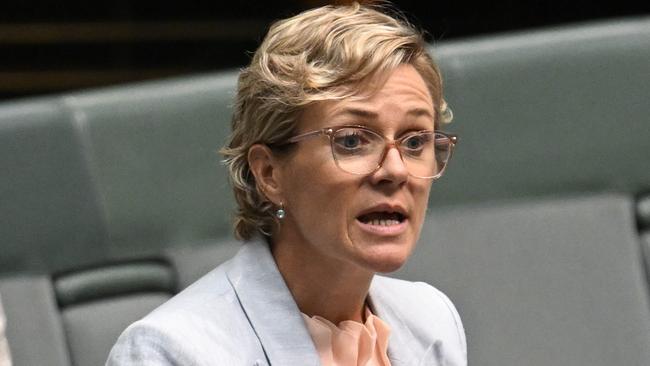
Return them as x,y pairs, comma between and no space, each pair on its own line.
327,53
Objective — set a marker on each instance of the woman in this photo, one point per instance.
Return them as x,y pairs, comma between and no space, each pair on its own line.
332,156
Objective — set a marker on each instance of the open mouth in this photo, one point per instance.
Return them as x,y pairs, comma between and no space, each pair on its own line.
382,218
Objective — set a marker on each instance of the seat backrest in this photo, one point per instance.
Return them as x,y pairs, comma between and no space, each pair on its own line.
548,282
126,171
49,213
153,152
548,112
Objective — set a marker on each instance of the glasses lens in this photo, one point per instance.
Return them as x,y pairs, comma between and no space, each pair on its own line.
357,150
426,153
443,147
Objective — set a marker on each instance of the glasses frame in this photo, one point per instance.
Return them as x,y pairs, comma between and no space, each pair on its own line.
389,143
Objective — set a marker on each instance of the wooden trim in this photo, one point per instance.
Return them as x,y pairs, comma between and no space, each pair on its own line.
25,81
47,33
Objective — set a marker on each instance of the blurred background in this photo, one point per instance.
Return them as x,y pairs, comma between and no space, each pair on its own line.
49,47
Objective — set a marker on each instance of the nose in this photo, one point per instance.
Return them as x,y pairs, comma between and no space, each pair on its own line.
392,169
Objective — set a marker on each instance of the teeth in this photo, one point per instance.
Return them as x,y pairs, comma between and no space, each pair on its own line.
383,222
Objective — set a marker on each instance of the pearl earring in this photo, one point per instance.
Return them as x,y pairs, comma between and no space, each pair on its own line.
280,213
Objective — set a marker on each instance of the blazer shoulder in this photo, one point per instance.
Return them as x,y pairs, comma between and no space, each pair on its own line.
203,322
143,344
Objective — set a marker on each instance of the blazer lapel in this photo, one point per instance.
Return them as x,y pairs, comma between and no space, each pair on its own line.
404,348
270,308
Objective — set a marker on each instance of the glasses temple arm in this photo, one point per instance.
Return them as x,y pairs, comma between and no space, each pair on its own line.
306,135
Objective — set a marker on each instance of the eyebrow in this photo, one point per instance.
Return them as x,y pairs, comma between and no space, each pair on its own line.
419,112
358,112
416,112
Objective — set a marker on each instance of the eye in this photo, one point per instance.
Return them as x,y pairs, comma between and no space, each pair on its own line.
416,142
351,139
352,142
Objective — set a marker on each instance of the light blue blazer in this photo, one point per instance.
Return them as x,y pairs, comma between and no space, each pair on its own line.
242,313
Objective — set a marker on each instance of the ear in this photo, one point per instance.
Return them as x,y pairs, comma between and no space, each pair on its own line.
266,169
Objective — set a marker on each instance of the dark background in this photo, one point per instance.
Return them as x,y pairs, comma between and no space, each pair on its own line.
49,47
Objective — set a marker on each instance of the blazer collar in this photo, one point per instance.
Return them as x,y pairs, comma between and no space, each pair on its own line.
270,308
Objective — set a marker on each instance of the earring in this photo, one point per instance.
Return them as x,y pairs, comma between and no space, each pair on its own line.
280,213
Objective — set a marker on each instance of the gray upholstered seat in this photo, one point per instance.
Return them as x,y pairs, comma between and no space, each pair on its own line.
153,150
75,317
558,111
49,214
544,282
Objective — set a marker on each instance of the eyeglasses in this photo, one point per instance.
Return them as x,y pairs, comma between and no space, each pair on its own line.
360,150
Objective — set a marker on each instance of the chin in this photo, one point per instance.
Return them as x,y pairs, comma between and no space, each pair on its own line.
386,259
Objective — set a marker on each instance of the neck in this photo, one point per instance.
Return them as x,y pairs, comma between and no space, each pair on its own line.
320,285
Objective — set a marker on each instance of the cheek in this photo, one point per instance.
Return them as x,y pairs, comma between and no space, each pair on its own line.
421,199
319,196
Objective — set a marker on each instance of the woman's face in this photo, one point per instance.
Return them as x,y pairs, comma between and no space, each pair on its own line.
337,216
